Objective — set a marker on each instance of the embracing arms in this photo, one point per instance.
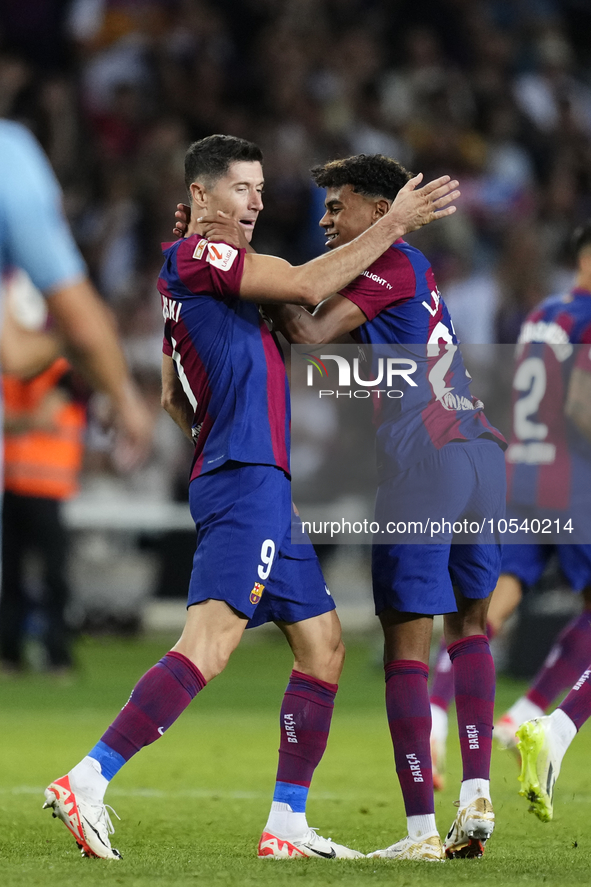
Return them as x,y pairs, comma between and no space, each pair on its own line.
267,279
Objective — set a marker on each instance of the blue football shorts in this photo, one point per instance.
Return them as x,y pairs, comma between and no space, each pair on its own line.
462,481
527,563
243,515
527,554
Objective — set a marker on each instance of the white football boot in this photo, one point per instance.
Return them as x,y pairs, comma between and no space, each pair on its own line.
504,732
429,849
470,830
309,844
88,821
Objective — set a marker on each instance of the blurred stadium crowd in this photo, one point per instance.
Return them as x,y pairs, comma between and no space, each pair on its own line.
496,94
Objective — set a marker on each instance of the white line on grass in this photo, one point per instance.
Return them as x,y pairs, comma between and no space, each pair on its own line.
158,793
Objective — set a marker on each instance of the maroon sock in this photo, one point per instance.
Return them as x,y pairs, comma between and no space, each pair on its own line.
567,659
474,683
306,713
409,718
442,688
577,705
156,701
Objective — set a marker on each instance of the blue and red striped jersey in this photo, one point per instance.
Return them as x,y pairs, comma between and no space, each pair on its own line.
228,362
549,460
399,296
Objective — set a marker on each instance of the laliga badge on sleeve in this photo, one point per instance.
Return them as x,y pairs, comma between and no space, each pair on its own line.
255,594
220,255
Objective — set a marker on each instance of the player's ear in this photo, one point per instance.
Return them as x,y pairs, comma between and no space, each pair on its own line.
198,194
381,207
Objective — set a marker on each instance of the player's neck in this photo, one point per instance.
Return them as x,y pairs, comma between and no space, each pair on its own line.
583,282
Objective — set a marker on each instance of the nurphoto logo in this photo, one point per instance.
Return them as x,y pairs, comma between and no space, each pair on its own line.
385,370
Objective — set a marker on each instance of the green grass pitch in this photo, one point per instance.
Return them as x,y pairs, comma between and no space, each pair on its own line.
192,805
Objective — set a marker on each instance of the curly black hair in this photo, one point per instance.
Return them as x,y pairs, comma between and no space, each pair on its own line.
373,175
210,158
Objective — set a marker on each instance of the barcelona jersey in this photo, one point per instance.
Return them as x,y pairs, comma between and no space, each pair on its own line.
228,362
549,460
399,296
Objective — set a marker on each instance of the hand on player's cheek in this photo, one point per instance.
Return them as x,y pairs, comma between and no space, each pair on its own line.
228,232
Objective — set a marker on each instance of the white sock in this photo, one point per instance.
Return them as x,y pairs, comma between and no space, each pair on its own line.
284,823
563,732
438,723
525,710
474,788
86,777
423,826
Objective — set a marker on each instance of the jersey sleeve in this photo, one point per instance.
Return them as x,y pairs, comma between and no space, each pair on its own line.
42,244
391,279
212,268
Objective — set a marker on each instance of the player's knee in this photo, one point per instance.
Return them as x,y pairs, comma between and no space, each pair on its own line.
331,662
462,625
211,662
324,662
210,657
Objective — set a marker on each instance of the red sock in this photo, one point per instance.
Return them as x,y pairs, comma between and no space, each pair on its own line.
156,701
569,656
442,688
306,713
577,705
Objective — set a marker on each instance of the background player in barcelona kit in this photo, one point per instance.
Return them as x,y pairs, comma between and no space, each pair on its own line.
224,383
433,460
552,417
549,471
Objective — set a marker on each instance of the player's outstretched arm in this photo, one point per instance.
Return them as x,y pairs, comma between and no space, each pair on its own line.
269,279
26,353
578,401
53,262
88,330
334,318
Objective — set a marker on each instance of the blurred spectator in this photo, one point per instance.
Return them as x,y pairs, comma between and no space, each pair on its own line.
44,424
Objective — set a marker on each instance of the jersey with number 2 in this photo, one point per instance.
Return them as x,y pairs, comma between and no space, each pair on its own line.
549,460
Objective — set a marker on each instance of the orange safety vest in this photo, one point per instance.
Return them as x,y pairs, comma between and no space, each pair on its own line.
43,463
